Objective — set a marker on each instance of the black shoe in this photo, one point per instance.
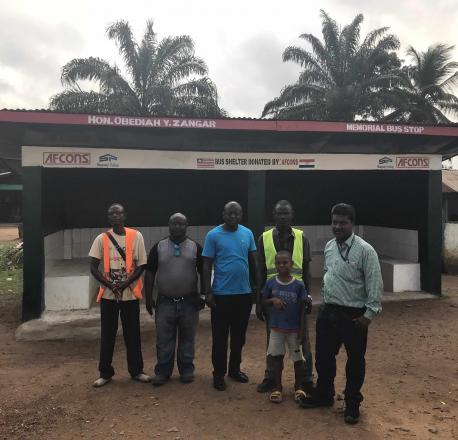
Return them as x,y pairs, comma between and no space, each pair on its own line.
315,401
187,377
265,386
219,383
308,387
351,414
239,376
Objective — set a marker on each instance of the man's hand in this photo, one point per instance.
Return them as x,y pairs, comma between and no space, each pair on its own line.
150,305
278,303
259,311
362,322
308,304
210,300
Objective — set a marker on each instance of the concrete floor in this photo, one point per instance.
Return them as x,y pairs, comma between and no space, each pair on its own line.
85,324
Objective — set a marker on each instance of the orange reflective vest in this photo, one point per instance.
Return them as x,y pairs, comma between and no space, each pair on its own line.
137,285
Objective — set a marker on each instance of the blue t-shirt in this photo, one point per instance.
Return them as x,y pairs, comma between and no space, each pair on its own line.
229,251
292,294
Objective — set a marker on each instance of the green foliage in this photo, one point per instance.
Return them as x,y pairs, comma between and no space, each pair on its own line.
11,256
164,78
342,77
10,282
424,92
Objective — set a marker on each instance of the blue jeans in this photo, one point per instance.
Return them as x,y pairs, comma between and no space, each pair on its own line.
172,317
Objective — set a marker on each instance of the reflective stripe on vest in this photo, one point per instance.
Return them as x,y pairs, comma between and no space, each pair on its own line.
270,252
137,285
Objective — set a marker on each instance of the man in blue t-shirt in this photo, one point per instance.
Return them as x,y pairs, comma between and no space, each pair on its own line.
231,249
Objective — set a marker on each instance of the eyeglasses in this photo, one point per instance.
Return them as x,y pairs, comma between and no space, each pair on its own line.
177,250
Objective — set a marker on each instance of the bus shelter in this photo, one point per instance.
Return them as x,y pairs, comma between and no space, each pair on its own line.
75,166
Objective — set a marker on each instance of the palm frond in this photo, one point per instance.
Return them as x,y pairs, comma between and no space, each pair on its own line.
121,32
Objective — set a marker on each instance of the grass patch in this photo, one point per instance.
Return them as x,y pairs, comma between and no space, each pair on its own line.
11,282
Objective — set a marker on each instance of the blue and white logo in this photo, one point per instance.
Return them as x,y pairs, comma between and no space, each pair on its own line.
385,162
108,161
107,158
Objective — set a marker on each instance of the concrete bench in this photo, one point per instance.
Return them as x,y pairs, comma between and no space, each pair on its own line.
69,285
400,275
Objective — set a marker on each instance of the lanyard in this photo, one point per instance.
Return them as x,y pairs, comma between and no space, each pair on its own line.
345,258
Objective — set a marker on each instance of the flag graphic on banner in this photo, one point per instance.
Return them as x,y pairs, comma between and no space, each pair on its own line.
205,163
306,163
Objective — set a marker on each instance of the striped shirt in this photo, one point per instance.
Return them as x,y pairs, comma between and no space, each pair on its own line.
352,275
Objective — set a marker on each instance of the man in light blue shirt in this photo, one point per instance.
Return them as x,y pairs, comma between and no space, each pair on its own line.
231,249
351,298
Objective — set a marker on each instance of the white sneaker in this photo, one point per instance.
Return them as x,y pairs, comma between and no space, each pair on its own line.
142,377
100,382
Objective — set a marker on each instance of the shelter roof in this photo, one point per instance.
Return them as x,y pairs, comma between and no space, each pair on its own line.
449,181
42,127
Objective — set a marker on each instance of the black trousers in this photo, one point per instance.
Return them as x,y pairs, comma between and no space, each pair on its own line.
130,320
334,327
230,316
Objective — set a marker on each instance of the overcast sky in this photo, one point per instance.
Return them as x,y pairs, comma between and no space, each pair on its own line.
241,41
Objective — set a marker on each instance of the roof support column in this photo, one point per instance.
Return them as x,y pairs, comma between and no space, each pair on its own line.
431,236
256,201
34,261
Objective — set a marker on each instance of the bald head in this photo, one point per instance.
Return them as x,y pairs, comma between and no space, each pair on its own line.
232,215
178,215
232,204
178,225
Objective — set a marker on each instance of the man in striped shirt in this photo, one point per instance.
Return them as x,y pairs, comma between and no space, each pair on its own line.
351,296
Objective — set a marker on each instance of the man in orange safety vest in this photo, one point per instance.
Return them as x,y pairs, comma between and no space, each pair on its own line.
122,253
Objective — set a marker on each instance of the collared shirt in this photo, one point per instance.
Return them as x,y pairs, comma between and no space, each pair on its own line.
352,275
285,244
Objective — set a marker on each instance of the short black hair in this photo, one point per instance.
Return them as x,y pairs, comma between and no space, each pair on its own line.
283,203
344,209
284,252
116,204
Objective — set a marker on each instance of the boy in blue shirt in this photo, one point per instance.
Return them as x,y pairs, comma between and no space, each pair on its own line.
287,297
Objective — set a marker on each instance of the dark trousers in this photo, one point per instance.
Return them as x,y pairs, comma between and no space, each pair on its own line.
130,320
334,327
174,317
306,351
230,316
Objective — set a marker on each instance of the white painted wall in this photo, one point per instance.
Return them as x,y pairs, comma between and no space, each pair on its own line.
450,248
68,284
401,244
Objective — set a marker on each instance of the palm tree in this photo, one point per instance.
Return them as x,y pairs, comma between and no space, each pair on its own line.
165,78
424,93
341,77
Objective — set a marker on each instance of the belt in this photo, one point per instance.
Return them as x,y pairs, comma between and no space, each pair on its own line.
173,299
344,308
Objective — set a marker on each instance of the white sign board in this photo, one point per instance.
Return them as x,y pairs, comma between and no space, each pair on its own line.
74,157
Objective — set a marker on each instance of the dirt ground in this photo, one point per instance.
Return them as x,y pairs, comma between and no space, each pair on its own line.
8,232
411,388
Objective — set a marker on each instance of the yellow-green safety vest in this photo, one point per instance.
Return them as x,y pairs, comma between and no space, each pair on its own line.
270,252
